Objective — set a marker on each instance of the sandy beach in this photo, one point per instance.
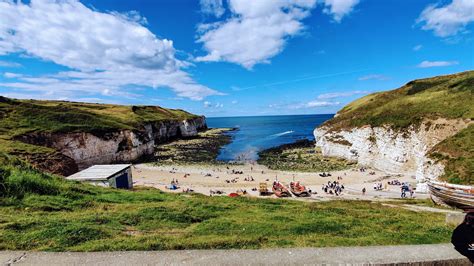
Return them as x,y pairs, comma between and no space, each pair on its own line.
206,178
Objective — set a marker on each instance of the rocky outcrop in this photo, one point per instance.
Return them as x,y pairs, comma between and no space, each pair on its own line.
393,151
86,149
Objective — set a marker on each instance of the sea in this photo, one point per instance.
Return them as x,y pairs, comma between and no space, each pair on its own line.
256,133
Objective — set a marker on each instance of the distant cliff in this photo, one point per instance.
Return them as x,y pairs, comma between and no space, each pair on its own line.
424,129
64,137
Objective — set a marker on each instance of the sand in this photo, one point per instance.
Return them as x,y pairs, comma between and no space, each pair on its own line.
204,178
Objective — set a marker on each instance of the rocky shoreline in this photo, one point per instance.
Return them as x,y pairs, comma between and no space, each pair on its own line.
301,156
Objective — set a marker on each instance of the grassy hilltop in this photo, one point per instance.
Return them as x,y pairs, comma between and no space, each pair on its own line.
19,117
450,97
39,211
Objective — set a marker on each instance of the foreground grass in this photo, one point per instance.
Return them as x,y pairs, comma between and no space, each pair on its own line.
301,156
42,212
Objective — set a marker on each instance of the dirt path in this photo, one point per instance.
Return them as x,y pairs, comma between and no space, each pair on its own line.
439,254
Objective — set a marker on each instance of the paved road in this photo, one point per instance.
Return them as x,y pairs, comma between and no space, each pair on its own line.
440,254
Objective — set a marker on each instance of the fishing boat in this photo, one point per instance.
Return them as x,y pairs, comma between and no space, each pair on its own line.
280,190
458,196
299,190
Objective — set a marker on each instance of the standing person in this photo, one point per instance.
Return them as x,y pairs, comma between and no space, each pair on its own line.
463,236
363,191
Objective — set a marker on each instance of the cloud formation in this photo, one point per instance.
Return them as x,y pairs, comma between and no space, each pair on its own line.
256,31
212,7
104,51
339,8
427,64
340,94
373,77
447,20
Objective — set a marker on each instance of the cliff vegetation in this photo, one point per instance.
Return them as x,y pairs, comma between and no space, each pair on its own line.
22,117
449,97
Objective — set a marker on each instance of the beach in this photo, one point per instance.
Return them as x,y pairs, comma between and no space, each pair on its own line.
226,178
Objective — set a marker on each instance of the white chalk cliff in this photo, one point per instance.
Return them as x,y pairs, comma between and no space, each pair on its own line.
87,149
392,151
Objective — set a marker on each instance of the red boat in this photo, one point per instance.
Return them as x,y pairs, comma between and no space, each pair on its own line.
299,190
280,190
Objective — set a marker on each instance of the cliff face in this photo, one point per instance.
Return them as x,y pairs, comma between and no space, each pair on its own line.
393,151
86,149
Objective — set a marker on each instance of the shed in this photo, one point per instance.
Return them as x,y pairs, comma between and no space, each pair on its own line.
109,175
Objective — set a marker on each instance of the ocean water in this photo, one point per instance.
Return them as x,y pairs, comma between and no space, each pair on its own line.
257,133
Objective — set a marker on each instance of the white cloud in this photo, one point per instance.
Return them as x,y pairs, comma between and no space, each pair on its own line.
321,104
219,105
305,105
207,104
256,31
373,77
212,7
12,75
234,102
105,51
339,8
340,94
447,20
426,64
417,47
9,64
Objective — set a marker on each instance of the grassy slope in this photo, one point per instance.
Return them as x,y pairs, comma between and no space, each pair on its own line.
443,96
43,212
300,156
449,97
19,117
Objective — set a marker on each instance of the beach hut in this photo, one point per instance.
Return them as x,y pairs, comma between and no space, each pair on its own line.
110,175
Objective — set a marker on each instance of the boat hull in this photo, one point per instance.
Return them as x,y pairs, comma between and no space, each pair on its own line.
457,196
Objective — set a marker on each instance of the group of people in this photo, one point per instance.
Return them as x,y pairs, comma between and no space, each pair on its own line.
324,174
333,188
250,179
406,188
377,186
173,185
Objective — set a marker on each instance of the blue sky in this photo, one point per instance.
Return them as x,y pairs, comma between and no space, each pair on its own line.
229,57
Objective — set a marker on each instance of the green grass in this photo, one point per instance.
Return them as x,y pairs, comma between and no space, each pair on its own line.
457,154
301,156
443,96
23,117
449,97
43,212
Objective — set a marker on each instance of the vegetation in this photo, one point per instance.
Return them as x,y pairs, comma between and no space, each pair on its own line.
20,117
457,154
301,156
449,97
202,149
443,96
44,212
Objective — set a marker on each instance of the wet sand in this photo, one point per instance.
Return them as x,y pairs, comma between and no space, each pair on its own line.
204,178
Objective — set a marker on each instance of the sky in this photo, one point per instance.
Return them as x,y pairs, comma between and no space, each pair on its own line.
229,57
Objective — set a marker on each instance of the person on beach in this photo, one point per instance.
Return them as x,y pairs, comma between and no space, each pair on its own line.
363,191
463,236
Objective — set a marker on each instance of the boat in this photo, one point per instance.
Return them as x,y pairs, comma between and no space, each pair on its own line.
280,190
299,190
458,196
